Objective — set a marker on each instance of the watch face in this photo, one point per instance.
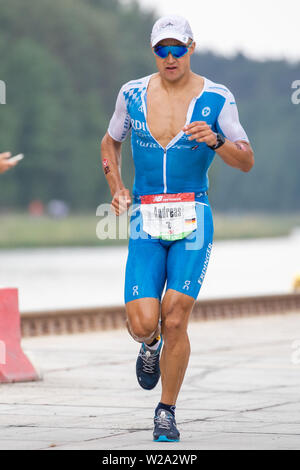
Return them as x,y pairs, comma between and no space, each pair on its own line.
220,140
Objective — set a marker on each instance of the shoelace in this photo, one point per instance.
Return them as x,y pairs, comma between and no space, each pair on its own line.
148,361
163,421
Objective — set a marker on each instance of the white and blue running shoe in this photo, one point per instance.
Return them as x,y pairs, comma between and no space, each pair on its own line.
165,429
147,366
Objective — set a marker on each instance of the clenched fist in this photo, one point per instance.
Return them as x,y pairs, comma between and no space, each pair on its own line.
121,201
201,132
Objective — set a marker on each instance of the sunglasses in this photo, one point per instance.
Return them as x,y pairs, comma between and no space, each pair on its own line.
176,51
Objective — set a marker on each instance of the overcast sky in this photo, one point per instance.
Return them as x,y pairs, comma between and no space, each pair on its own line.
259,28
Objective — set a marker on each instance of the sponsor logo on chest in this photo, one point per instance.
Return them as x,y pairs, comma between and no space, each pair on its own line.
138,125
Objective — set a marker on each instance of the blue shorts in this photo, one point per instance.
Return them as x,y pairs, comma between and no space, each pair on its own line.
180,264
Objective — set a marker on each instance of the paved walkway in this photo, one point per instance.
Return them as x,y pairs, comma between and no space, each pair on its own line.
241,391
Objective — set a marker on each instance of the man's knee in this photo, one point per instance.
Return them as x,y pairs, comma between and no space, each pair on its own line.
172,324
142,332
174,321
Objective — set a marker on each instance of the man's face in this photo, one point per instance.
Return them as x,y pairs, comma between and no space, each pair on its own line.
171,68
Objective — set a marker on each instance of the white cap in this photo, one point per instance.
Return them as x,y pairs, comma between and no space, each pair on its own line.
173,26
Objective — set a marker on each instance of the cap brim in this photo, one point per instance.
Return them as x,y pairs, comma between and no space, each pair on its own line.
169,35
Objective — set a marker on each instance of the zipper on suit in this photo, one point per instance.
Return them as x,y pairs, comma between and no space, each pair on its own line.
165,170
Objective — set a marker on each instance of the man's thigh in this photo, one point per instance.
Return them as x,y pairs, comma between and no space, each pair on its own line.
188,258
175,309
146,270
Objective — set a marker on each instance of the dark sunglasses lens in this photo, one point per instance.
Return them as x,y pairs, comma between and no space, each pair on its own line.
179,51
161,51
176,51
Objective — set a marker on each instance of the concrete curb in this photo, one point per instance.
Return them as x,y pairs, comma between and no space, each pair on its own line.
109,318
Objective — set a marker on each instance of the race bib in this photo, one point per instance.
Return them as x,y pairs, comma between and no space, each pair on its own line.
169,216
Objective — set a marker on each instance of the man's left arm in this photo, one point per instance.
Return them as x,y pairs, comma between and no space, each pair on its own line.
236,150
237,154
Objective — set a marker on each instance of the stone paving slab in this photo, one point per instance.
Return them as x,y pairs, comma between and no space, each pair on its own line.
241,391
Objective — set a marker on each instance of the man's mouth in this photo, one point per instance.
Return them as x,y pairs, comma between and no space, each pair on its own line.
171,67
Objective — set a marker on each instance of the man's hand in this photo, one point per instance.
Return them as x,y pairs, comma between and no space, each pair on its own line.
236,154
121,201
5,164
201,132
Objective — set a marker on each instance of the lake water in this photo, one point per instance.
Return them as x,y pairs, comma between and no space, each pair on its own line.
81,277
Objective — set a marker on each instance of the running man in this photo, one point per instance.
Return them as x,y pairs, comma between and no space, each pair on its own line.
178,120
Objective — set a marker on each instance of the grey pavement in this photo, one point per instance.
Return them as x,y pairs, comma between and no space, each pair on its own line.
241,391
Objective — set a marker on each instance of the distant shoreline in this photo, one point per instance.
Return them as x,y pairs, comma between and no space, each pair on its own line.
19,230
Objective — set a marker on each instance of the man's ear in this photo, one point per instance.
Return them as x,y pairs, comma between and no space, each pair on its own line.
192,48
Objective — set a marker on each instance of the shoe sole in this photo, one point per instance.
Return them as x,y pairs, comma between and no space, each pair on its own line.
165,439
148,388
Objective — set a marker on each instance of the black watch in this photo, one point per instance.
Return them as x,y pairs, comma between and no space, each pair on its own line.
220,142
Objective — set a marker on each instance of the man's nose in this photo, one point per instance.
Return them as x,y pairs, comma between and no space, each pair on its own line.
170,58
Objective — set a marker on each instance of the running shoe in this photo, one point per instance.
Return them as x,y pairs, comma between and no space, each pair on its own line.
165,429
147,366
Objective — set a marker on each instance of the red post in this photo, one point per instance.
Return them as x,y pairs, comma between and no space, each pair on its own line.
14,365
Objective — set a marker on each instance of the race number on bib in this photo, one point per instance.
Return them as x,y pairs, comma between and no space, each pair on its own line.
169,216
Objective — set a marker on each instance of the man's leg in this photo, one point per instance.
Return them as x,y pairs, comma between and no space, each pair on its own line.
186,266
144,283
176,309
143,325
143,319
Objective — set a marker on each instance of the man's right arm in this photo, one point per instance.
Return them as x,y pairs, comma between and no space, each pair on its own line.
111,144
111,161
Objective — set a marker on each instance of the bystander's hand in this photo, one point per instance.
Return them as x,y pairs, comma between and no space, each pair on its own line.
5,164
